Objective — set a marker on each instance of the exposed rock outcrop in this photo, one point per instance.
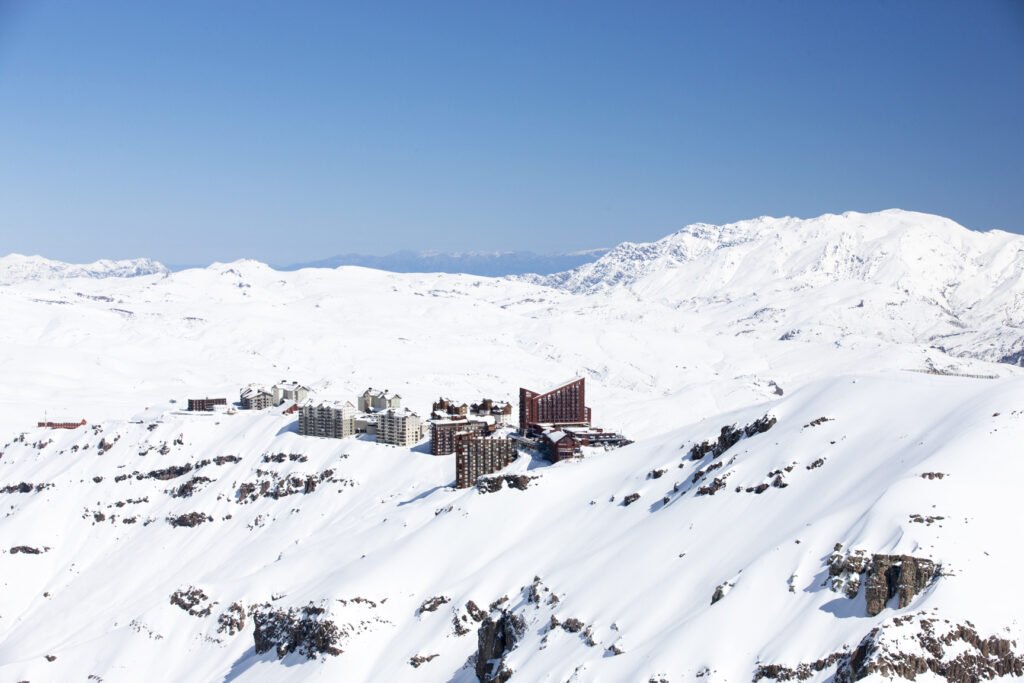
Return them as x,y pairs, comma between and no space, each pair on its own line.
519,482
27,550
431,604
417,660
191,600
908,646
495,639
729,436
896,575
232,620
186,489
189,519
303,630
884,577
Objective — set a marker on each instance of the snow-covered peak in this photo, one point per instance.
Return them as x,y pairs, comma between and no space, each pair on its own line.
919,252
18,268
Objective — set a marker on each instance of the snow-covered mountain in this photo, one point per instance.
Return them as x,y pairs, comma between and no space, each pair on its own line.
489,263
799,504
906,274
17,268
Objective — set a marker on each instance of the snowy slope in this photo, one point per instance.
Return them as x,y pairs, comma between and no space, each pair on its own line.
386,527
372,534
17,268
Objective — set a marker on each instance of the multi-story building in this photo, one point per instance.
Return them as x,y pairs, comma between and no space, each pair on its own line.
562,405
255,397
293,392
501,411
399,427
443,433
366,423
205,404
376,401
477,456
334,419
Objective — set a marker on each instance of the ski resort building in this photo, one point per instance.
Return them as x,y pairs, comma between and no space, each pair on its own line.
285,392
446,406
560,442
562,405
375,401
501,411
205,404
445,433
333,419
399,427
255,397
61,425
366,423
561,445
476,456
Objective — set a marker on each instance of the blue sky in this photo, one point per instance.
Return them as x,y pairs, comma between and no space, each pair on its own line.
200,131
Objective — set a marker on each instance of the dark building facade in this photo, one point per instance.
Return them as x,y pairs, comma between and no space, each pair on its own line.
444,433
477,456
565,404
62,425
205,403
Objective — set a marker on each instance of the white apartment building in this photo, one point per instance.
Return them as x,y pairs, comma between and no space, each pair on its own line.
289,392
400,427
332,419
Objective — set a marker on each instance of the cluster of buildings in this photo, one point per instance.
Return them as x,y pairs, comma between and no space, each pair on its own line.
499,411
557,421
256,397
481,435
378,412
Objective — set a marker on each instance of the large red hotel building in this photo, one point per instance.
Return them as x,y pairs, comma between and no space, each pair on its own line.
563,405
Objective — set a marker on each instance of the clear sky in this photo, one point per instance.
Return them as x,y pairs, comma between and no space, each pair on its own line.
289,131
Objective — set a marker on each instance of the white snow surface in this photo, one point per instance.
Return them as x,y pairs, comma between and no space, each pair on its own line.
675,340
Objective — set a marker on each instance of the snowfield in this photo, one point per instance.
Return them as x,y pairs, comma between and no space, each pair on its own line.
799,504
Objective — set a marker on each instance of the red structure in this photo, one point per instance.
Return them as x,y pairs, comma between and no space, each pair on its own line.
563,405
61,425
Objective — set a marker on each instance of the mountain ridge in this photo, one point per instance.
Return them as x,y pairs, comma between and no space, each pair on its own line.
18,267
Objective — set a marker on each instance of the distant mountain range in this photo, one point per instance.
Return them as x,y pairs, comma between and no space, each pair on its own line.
487,263
17,268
